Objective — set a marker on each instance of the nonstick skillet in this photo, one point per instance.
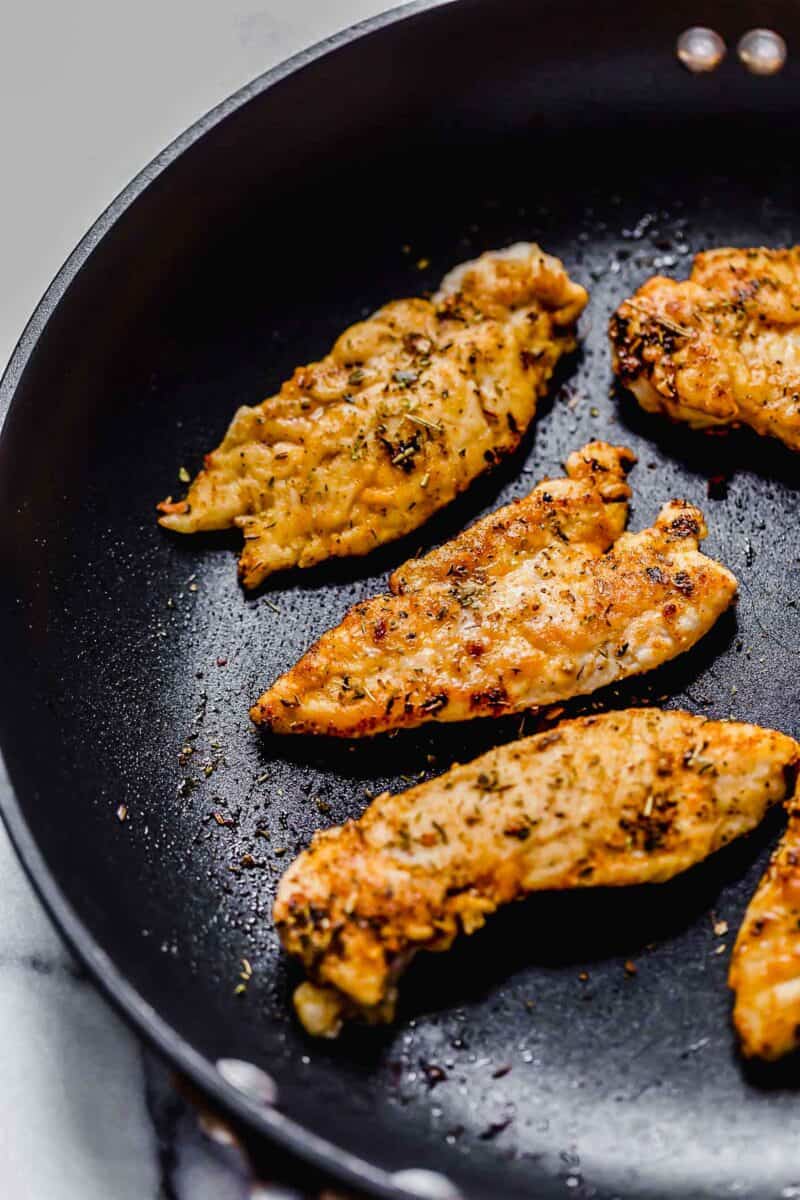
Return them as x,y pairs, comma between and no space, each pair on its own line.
528,1062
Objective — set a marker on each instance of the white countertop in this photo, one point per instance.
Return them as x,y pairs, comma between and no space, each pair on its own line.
91,91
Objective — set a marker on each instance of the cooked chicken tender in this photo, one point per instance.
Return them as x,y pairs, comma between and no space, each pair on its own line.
406,410
765,968
624,798
721,348
542,600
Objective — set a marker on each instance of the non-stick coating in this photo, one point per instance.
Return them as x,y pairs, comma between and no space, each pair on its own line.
528,1061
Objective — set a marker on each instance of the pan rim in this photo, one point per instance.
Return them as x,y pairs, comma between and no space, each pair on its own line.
124,998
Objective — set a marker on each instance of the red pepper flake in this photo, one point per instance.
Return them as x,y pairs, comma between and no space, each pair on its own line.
717,487
222,662
433,1074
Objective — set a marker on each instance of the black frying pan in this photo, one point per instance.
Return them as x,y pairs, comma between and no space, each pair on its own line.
240,252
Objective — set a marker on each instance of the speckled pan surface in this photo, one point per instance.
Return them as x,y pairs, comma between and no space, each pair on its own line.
529,1061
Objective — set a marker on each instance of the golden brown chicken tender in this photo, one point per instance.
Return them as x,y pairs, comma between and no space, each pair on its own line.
721,348
542,600
765,968
408,408
624,798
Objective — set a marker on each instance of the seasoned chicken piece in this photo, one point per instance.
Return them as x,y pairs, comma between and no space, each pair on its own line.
765,968
544,599
721,348
407,409
624,798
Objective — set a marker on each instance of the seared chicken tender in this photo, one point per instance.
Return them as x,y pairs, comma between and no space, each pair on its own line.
542,600
765,968
406,410
624,798
721,348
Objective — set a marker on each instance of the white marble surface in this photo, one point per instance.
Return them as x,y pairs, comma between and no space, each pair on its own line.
91,90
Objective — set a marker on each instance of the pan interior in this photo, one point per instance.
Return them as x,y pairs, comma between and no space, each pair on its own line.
529,1054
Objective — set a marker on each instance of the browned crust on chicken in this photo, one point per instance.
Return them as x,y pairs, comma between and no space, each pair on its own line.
623,798
765,968
542,600
408,408
721,348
